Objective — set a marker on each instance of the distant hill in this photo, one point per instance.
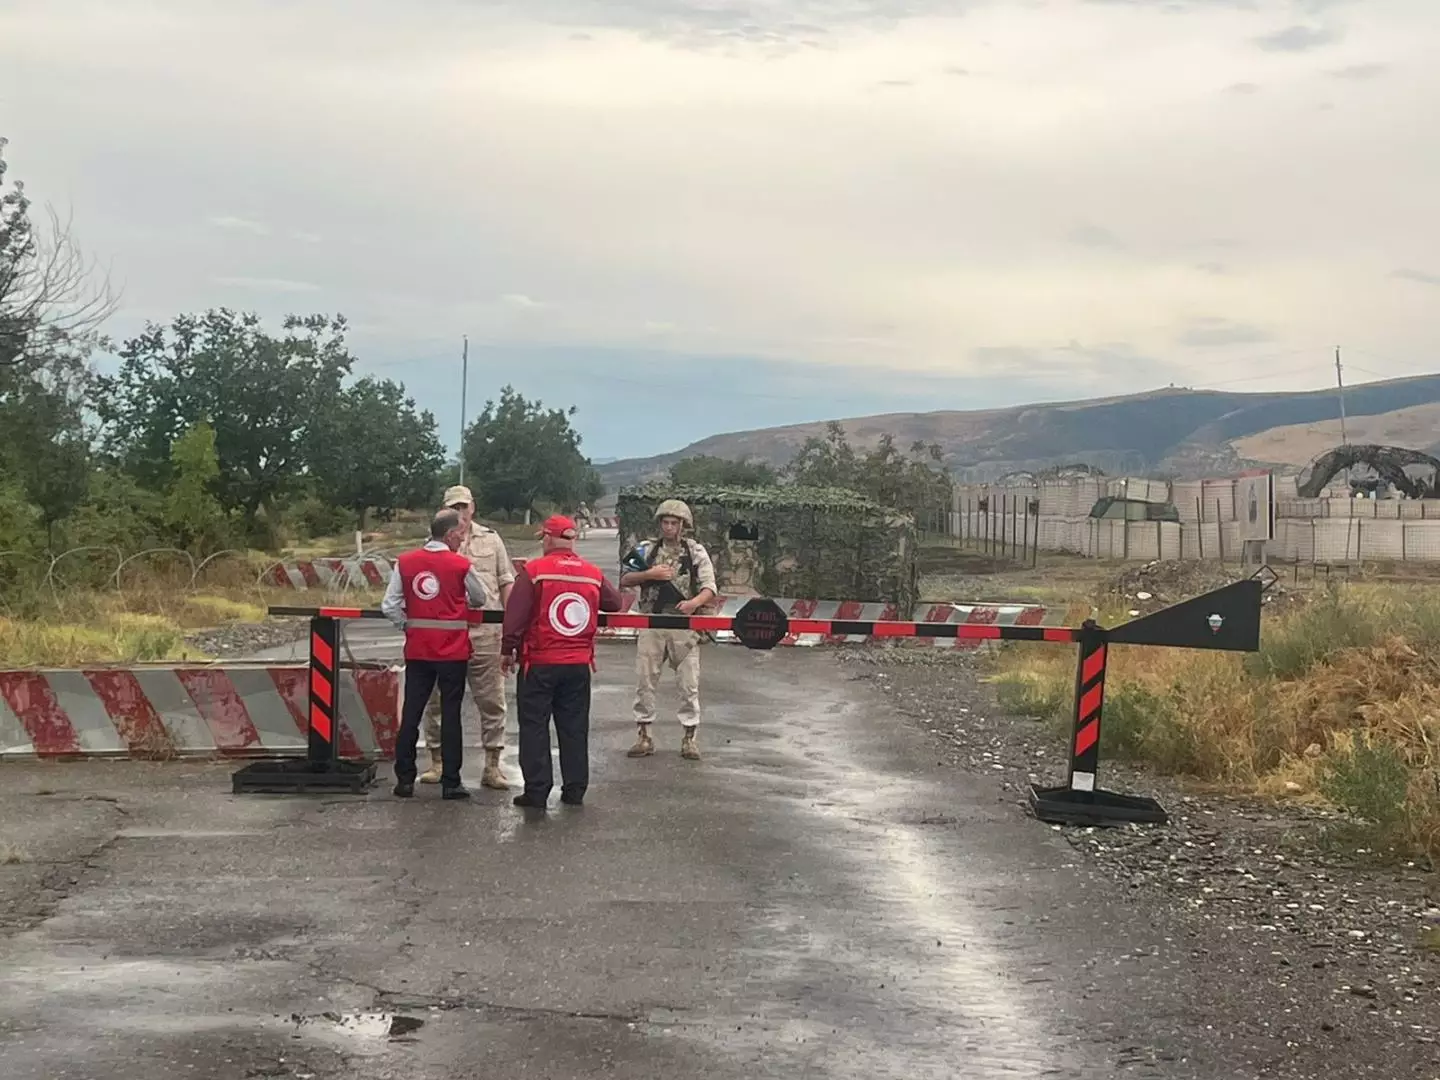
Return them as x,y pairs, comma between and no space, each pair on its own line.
1417,427
1187,432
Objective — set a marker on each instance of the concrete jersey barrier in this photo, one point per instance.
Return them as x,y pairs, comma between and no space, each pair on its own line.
165,711
329,573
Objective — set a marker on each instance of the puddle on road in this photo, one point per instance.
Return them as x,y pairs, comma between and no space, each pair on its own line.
365,1027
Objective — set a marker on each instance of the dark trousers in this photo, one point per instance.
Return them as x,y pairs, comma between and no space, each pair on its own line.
421,677
561,692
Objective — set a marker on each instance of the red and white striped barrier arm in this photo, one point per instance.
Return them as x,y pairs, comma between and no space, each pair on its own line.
801,626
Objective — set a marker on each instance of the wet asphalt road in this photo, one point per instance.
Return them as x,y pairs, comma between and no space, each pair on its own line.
814,899
818,898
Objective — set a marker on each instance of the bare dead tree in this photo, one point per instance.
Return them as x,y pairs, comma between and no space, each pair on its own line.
50,292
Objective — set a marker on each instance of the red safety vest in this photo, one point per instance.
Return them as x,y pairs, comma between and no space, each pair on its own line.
566,611
435,605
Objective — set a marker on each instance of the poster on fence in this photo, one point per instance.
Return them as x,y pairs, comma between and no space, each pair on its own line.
1255,505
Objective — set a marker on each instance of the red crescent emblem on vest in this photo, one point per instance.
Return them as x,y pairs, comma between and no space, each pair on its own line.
426,585
569,614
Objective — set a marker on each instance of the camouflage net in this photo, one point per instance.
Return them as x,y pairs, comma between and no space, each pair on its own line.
808,543
1389,462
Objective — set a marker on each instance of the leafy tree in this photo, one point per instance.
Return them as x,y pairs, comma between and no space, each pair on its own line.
19,526
17,249
377,451
192,513
916,483
267,398
57,479
43,442
518,452
706,471
827,462
118,511
593,488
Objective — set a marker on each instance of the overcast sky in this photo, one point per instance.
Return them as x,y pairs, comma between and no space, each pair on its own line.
697,215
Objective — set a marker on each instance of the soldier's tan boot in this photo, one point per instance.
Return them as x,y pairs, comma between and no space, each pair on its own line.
492,777
689,750
644,745
432,774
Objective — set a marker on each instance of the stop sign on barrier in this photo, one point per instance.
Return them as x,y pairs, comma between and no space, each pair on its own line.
760,624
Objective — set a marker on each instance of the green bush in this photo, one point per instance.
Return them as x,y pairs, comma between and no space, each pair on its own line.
1371,780
1295,646
1132,715
312,517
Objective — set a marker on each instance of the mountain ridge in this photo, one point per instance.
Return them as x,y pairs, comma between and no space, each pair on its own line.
1177,430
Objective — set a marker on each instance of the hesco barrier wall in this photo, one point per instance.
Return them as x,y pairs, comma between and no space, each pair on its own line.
1322,530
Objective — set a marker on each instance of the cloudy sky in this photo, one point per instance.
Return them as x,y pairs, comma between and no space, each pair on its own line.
687,216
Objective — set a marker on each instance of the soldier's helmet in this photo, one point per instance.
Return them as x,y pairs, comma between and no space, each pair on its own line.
675,508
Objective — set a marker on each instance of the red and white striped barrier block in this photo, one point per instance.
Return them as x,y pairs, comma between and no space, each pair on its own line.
605,523
372,571
170,711
987,615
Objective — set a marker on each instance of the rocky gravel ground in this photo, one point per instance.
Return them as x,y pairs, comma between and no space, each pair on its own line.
243,639
1301,949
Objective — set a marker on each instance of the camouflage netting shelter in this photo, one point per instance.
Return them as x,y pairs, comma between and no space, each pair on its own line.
796,542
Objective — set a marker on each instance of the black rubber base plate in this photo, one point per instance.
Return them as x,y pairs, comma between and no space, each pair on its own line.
297,776
1066,806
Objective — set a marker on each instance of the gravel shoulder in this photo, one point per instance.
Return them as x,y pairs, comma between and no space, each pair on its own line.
245,639
1308,955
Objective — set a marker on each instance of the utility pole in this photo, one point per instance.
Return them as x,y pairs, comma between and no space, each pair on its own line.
1340,386
465,378
1344,439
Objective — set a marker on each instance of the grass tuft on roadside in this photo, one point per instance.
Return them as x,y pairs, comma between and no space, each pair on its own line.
1341,705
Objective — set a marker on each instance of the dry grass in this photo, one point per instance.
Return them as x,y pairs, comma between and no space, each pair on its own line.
146,621
1341,705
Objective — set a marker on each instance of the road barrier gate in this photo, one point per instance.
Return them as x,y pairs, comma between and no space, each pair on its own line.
1226,619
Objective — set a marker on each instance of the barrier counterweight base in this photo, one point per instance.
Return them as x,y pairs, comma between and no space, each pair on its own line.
1067,806
297,776
321,771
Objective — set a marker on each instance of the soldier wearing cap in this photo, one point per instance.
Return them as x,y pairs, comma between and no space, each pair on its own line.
675,577
486,552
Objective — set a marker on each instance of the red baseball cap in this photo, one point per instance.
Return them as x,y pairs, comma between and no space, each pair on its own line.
559,525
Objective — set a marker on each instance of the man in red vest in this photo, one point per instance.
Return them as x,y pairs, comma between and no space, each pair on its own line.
430,592
550,625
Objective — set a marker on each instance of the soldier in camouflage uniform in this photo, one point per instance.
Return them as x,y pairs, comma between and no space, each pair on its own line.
675,576
486,552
